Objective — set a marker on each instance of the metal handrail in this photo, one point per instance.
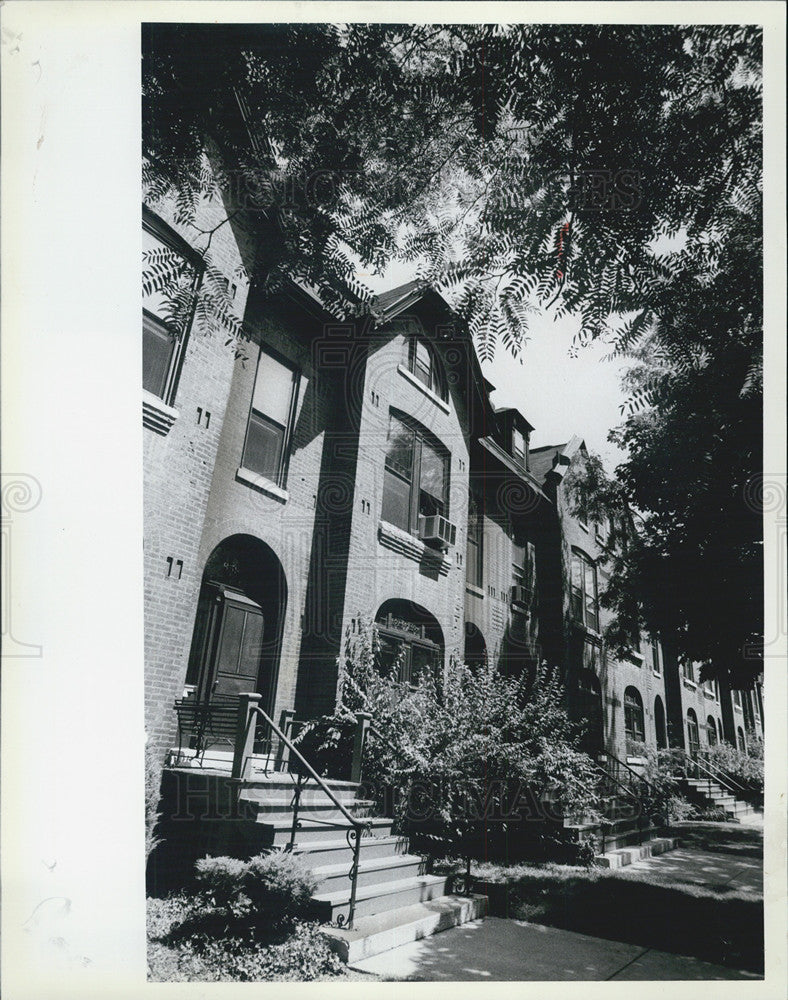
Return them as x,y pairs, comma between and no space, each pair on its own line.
357,824
703,767
721,771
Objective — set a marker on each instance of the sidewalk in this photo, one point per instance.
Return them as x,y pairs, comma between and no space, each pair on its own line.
496,949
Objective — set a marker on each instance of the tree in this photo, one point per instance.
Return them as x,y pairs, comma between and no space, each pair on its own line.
613,171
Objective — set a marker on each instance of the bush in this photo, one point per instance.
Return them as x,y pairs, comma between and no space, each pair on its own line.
745,768
153,769
182,947
221,880
276,887
470,753
279,885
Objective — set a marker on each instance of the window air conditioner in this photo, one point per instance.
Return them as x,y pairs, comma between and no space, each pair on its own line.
436,530
520,597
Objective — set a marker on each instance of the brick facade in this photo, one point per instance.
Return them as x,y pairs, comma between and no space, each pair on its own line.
321,534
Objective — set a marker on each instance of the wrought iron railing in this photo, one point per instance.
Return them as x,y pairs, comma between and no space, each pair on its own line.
249,712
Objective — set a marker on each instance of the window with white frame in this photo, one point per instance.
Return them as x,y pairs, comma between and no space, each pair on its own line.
584,598
271,418
421,362
475,540
416,475
171,272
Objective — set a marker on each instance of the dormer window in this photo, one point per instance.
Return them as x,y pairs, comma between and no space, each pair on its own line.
422,363
518,446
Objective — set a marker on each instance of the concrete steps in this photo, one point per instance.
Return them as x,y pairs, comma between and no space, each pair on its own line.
331,907
396,901
623,856
382,931
712,793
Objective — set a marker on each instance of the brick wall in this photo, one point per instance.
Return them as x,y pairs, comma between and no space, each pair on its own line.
178,469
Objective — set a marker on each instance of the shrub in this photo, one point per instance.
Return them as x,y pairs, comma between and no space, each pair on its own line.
185,946
221,880
153,769
274,887
467,750
745,768
279,885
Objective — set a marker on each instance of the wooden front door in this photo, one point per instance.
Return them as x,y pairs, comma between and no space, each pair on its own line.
232,652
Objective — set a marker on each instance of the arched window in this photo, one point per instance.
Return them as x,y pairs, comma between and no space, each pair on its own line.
416,475
711,731
584,604
409,640
693,732
475,647
659,724
422,362
633,716
740,739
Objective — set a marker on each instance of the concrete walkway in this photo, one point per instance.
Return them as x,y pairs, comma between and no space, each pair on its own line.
723,857
496,950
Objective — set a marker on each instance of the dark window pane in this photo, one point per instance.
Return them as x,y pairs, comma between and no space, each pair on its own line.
230,646
422,658
390,651
396,500
157,348
263,451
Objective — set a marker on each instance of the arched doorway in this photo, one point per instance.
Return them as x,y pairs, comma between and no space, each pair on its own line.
711,731
659,724
693,733
475,647
588,710
410,640
237,630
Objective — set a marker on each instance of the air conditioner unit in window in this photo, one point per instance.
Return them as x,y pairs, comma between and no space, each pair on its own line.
520,597
436,530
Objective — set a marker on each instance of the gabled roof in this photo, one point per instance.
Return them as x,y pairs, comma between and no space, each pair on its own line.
500,410
396,300
554,458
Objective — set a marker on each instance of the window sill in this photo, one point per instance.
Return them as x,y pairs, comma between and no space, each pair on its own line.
591,634
656,673
690,684
709,695
423,388
584,527
262,484
156,415
397,540
636,658
471,588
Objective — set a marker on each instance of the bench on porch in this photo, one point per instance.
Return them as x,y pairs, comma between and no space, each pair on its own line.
203,724
214,723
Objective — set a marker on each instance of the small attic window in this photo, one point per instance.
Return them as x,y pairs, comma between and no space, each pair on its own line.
520,447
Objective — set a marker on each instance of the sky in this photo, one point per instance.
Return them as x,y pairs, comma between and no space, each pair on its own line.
558,394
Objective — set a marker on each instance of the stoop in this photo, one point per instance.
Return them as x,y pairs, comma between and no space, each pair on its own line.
382,931
626,855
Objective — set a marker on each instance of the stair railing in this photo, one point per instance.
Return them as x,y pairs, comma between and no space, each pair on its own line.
693,764
606,779
724,776
247,710
637,780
